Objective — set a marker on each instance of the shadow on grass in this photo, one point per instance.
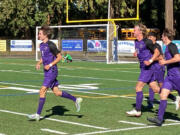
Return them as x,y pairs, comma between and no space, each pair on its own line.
60,111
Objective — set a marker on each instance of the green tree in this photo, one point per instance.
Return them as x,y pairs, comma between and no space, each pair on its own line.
17,17
20,17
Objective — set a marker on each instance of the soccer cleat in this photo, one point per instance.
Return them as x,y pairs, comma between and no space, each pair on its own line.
78,104
134,113
156,121
34,117
150,105
177,102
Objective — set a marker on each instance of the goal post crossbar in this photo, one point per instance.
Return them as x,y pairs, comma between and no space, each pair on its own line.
75,26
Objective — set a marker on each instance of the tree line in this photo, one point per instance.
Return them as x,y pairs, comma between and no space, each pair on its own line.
18,18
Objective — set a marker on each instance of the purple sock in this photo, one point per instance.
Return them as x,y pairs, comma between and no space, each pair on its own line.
41,104
69,96
151,95
139,99
162,108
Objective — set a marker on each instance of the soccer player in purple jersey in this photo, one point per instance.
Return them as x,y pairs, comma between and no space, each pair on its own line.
171,82
146,53
50,56
159,74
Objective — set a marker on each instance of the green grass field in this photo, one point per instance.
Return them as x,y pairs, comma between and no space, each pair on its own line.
107,92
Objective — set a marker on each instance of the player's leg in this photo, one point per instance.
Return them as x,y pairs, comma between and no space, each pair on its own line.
42,99
177,102
139,98
64,94
151,99
162,107
159,77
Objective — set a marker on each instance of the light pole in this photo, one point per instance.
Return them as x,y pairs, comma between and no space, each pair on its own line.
169,20
109,6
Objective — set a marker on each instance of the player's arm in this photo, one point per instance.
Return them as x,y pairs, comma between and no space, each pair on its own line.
58,58
160,57
56,53
155,55
38,65
135,54
174,53
154,49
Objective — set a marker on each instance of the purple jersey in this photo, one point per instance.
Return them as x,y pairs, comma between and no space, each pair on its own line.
144,49
174,68
48,54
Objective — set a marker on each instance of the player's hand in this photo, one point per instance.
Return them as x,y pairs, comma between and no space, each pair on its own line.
135,54
38,66
162,62
147,63
47,67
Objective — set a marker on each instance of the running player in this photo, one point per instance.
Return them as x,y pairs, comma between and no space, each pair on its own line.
159,74
146,53
172,79
50,56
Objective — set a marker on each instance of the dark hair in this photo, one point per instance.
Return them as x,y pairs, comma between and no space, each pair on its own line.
142,28
169,33
152,34
46,30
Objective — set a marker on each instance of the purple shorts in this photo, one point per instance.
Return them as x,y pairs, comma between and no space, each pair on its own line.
50,80
159,75
171,83
147,76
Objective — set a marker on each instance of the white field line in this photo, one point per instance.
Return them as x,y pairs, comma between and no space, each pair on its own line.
133,123
172,120
72,68
36,90
53,131
78,86
20,84
93,93
29,90
57,120
125,129
93,78
2,134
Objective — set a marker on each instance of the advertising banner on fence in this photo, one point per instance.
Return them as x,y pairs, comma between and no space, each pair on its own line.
2,45
125,46
72,45
21,45
96,45
176,42
38,42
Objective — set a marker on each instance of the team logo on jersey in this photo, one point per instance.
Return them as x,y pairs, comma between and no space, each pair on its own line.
141,46
45,48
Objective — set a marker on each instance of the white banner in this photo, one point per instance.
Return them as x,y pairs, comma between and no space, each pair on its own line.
21,45
126,46
39,42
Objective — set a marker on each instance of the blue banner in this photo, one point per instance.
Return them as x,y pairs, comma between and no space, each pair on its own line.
72,45
96,45
176,42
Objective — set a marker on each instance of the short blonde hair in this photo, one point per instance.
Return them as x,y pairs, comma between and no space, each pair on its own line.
143,29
